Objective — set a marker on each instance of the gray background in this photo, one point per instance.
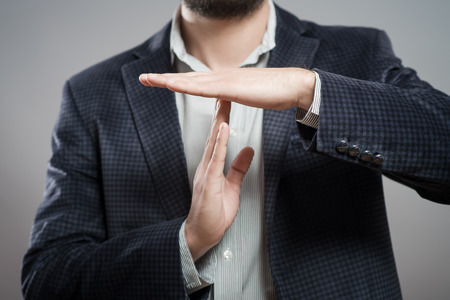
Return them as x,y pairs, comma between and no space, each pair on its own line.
44,42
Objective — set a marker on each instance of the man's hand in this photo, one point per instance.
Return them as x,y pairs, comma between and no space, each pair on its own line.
258,87
215,198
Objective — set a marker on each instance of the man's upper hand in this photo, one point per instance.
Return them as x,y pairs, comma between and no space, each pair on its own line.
271,88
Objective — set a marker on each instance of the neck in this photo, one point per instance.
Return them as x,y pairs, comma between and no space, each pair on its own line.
223,44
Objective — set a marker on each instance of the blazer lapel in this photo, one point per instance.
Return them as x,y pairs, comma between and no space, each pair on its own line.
293,49
156,120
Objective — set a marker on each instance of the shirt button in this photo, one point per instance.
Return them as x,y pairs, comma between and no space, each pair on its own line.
227,254
233,132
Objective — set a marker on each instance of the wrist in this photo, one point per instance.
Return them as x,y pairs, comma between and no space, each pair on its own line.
306,93
196,245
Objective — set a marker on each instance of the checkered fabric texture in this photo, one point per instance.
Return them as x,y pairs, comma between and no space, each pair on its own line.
117,189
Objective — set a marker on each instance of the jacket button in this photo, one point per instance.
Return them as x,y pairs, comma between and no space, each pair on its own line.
353,151
342,146
365,156
378,159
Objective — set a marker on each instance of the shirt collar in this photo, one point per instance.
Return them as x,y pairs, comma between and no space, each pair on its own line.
178,49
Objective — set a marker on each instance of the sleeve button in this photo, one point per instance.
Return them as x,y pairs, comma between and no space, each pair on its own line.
353,151
365,156
378,159
342,146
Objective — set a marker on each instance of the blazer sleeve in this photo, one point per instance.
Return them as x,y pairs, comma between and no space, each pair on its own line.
70,255
392,114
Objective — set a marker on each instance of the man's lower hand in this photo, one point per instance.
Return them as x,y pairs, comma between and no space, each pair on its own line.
215,199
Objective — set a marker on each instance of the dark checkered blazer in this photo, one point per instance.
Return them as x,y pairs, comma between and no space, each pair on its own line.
117,189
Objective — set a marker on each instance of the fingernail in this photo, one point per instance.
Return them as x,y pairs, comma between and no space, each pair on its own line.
220,128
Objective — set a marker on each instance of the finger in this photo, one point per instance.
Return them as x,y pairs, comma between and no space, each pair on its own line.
161,80
217,162
203,84
195,87
153,80
221,115
240,166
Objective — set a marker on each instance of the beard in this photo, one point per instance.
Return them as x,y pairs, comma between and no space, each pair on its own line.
223,9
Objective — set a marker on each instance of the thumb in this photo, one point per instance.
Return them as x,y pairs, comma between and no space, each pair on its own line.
240,166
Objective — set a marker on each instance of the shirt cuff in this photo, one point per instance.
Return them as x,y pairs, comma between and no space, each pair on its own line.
311,117
199,274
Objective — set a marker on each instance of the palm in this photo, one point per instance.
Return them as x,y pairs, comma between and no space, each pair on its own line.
270,88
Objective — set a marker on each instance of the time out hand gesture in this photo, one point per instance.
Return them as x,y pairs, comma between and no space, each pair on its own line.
215,199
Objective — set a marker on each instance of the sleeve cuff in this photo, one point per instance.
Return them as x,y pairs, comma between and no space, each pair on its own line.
199,274
311,117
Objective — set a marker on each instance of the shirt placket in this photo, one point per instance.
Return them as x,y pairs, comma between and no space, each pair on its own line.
229,260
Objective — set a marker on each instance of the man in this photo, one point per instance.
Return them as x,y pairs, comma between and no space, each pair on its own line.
137,208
